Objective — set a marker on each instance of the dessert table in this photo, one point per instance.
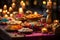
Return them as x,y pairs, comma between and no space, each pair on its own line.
31,36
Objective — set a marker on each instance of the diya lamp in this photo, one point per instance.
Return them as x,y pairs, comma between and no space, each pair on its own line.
5,7
10,9
13,5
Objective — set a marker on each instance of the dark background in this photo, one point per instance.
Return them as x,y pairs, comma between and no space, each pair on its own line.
55,12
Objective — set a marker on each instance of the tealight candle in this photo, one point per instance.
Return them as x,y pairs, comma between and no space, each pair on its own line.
5,7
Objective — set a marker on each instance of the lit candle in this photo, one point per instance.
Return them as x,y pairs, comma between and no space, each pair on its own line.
4,11
0,10
35,13
13,5
21,3
5,7
6,16
11,15
44,30
20,10
10,9
8,12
